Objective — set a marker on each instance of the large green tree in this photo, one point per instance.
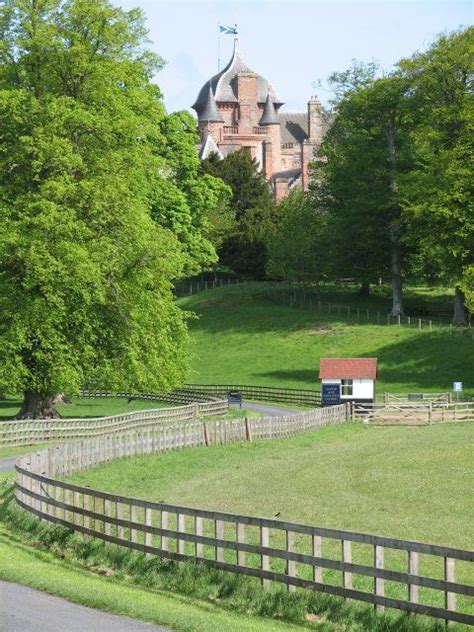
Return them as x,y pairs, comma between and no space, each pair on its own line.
91,235
253,210
357,179
438,192
297,246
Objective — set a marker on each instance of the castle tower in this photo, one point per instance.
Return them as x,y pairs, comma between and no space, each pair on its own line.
271,146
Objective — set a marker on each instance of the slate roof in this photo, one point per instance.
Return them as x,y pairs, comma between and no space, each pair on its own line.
347,368
208,148
293,127
210,113
224,84
269,116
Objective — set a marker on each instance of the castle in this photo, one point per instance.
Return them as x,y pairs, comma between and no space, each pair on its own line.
238,108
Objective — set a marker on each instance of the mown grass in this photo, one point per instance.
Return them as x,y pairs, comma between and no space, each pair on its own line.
87,407
408,483
63,563
240,335
10,451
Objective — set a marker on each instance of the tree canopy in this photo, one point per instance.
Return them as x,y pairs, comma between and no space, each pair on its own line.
101,205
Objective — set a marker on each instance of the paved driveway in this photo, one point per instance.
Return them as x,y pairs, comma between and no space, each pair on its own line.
24,609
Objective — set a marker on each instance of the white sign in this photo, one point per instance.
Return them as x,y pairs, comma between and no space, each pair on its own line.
457,387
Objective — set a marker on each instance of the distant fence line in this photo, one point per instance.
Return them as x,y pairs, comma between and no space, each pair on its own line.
304,397
297,298
296,555
29,431
281,293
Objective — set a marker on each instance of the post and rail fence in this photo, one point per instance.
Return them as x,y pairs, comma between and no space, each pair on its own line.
382,571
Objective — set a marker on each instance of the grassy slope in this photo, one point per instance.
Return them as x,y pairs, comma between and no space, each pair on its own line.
240,336
410,483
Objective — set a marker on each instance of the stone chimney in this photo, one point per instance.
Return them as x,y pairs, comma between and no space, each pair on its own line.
315,120
247,96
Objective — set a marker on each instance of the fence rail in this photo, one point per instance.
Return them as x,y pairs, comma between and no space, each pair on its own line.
296,555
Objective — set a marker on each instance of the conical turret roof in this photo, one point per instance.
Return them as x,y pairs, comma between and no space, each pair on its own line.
210,113
224,84
269,116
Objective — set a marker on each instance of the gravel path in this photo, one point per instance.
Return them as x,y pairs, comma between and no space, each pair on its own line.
25,609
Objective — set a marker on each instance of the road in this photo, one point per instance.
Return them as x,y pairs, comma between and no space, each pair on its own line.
265,409
24,609
7,464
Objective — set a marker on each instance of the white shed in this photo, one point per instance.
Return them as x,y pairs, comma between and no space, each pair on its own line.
347,380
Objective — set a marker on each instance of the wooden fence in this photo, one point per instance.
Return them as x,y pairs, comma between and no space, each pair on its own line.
436,398
415,414
258,393
30,431
342,563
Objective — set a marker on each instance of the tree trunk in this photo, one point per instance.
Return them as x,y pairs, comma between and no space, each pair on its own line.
460,315
395,263
397,293
364,289
37,406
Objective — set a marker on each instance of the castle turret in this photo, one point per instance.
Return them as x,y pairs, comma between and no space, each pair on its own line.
211,122
272,145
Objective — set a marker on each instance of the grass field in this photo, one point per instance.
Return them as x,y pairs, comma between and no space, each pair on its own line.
87,407
410,483
241,336
401,482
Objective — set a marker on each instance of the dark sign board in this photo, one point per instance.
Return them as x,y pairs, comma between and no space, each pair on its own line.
413,397
234,397
331,394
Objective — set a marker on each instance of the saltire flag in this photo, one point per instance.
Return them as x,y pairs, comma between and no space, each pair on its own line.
228,30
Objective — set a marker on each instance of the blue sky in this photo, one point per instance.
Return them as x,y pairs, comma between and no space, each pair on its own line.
291,43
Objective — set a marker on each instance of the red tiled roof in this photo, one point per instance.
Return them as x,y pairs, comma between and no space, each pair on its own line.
347,368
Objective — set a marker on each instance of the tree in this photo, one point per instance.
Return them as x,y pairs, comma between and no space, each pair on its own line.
253,209
88,249
438,190
357,179
296,248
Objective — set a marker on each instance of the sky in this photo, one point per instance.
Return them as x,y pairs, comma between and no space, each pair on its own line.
293,44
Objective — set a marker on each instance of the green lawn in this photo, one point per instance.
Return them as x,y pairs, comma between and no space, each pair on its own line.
409,483
241,336
87,407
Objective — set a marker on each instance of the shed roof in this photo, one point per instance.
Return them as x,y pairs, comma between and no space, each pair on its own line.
347,368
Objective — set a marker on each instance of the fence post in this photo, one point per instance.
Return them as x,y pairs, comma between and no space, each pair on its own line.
431,325
240,533
449,576
205,432
379,588
219,533
198,531
346,557
248,432
264,559
412,570
419,324
290,564
317,550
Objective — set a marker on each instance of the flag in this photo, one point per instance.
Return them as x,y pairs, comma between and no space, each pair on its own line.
228,30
